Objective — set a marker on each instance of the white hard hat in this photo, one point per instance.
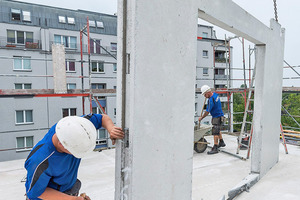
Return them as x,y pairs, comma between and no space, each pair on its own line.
77,135
204,89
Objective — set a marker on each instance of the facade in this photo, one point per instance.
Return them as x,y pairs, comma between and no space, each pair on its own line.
214,61
26,37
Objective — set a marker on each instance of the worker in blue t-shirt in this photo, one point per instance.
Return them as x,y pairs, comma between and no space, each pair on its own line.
214,107
52,165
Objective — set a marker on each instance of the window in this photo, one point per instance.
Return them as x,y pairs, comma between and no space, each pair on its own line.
62,19
205,71
95,46
96,110
71,86
67,41
22,63
19,37
115,111
205,53
26,16
24,117
101,134
113,46
115,67
205,34
22,86
24,142
71,20
70,65
220,56
97,66
220,71
196,108
68,112
100,24
115,87
16,14
98,86
92,23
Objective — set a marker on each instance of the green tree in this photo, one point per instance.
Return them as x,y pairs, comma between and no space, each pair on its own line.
291,102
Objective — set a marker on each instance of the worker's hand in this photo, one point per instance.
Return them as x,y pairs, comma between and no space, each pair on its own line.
200,118
116,133
83,196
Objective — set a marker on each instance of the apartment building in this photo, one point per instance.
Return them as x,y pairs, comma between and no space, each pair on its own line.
26,37
214,63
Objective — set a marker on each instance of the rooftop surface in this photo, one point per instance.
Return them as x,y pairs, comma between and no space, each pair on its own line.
213,175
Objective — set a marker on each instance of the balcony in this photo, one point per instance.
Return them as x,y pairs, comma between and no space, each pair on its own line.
220,60
221,77
34,44
75,47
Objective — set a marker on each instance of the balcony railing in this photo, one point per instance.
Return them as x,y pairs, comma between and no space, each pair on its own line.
34,44
76,48
221,77
220,60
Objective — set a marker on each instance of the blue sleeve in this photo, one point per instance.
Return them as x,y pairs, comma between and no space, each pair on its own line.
210,105
96,119
37,179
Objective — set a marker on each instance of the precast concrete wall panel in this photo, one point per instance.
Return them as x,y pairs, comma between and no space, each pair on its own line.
161,76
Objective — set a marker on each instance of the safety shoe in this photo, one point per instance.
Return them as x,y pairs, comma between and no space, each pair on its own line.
221,144
214,150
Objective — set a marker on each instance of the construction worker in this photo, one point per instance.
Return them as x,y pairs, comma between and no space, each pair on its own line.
52,165
214,107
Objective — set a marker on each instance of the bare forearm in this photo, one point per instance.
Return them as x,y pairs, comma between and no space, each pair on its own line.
203,116
114,132
107,123
51,194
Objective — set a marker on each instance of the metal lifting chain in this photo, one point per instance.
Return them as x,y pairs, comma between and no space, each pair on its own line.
275,11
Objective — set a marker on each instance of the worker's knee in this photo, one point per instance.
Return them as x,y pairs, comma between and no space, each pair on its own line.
216,130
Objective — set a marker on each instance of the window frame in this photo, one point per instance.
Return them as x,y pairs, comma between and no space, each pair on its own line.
68,86
69,110
26,147
69,20
16,39
69,44
22,63
24,15
98,65
92,23
24,117
99,24
15,11
114,46
68,61
97,86
205,69
205,52
62,19
115,67
23,86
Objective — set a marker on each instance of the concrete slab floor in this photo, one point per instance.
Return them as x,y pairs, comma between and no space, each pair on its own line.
213,175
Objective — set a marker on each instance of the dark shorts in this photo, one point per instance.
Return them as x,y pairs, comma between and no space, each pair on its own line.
217,124
74,191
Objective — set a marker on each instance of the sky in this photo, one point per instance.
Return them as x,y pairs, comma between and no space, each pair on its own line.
288,16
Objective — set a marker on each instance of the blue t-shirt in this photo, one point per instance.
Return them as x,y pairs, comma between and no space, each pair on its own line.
46,167
214,106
